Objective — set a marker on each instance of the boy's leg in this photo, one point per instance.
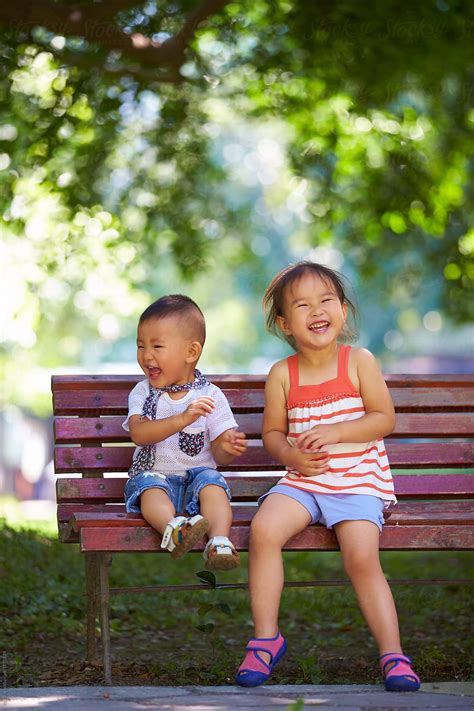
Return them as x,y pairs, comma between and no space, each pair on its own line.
359,544
278,519
156,508
220,553
215,507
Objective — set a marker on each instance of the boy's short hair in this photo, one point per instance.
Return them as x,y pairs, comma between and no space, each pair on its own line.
181,306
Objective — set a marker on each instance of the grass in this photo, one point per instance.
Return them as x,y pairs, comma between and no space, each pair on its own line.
199,637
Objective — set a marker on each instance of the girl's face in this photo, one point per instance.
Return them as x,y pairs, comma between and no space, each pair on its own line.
312,312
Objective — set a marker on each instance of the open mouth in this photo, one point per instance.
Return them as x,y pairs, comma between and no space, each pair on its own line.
319,326
154,372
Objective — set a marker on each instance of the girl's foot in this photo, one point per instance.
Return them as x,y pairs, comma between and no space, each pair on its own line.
181,534
254,671
220,554
397,672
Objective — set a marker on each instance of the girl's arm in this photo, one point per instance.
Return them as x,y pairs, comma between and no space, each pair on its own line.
144,431
275,427
378,421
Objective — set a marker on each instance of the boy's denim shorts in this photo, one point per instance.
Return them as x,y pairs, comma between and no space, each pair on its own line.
183,490
330,509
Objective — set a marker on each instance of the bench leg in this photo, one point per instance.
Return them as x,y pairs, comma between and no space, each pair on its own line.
92,604
104,562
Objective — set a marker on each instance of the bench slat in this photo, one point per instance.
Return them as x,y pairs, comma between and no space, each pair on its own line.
413,455
239,380
406,399
250,488
75,430
243,381
423,537
242,514
433,513
115,402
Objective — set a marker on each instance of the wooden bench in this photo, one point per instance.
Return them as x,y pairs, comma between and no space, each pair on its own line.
431,454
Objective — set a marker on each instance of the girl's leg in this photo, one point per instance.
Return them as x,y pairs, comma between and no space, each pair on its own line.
156,508
215,507
278,519
359,544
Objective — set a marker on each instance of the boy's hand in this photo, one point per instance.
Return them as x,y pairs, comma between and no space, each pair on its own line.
307,463
233,442
200,407
313,439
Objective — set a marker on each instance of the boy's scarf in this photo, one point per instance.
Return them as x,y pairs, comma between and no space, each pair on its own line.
144,460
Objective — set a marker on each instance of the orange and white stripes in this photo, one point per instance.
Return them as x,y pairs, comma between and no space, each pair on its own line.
358,468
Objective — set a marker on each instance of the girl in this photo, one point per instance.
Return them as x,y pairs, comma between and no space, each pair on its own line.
327,408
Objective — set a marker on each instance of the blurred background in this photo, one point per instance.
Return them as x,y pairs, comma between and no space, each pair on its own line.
197,147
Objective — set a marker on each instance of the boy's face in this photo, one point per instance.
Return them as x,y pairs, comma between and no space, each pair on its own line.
165,352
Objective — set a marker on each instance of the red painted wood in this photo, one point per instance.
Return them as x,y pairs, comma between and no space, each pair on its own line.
433,513
434,424
65,511
424,537
127,382
113,401
250,488
401,455
455,510
427,407
77,430
76,382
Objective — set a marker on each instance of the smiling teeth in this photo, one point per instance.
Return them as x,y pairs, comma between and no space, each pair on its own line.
320,324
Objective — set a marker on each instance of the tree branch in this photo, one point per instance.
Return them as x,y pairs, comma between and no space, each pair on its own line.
177,45
109,8
92,22
150,76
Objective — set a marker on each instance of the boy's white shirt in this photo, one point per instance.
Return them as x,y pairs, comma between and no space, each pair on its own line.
169,458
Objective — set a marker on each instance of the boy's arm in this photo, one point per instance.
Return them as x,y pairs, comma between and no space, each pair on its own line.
226,441
275,427
378,420
144,431
227,446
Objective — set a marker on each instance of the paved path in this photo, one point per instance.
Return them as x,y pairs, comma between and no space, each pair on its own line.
449,696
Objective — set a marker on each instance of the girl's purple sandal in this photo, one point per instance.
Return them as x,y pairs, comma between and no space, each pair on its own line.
397,672
254,671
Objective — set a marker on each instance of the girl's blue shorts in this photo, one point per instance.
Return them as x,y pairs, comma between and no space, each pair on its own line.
330,509
183,490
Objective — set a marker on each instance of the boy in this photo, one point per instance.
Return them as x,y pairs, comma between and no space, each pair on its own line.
182,426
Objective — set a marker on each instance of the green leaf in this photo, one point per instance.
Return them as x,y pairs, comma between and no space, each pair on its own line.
207,578
207,628
223,607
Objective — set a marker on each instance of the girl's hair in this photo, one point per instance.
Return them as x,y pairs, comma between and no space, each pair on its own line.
181,306
274,296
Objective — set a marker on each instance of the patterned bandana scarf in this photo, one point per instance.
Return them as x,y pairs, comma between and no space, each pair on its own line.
145,459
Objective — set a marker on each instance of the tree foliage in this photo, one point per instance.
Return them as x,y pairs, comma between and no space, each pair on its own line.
111,170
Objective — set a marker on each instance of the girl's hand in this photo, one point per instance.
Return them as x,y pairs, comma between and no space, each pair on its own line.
307,463
233,442
313,439
200,407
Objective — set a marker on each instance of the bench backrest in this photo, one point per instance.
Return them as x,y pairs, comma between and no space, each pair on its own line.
434,436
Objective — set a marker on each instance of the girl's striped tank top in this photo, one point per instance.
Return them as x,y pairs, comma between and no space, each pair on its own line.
354,468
